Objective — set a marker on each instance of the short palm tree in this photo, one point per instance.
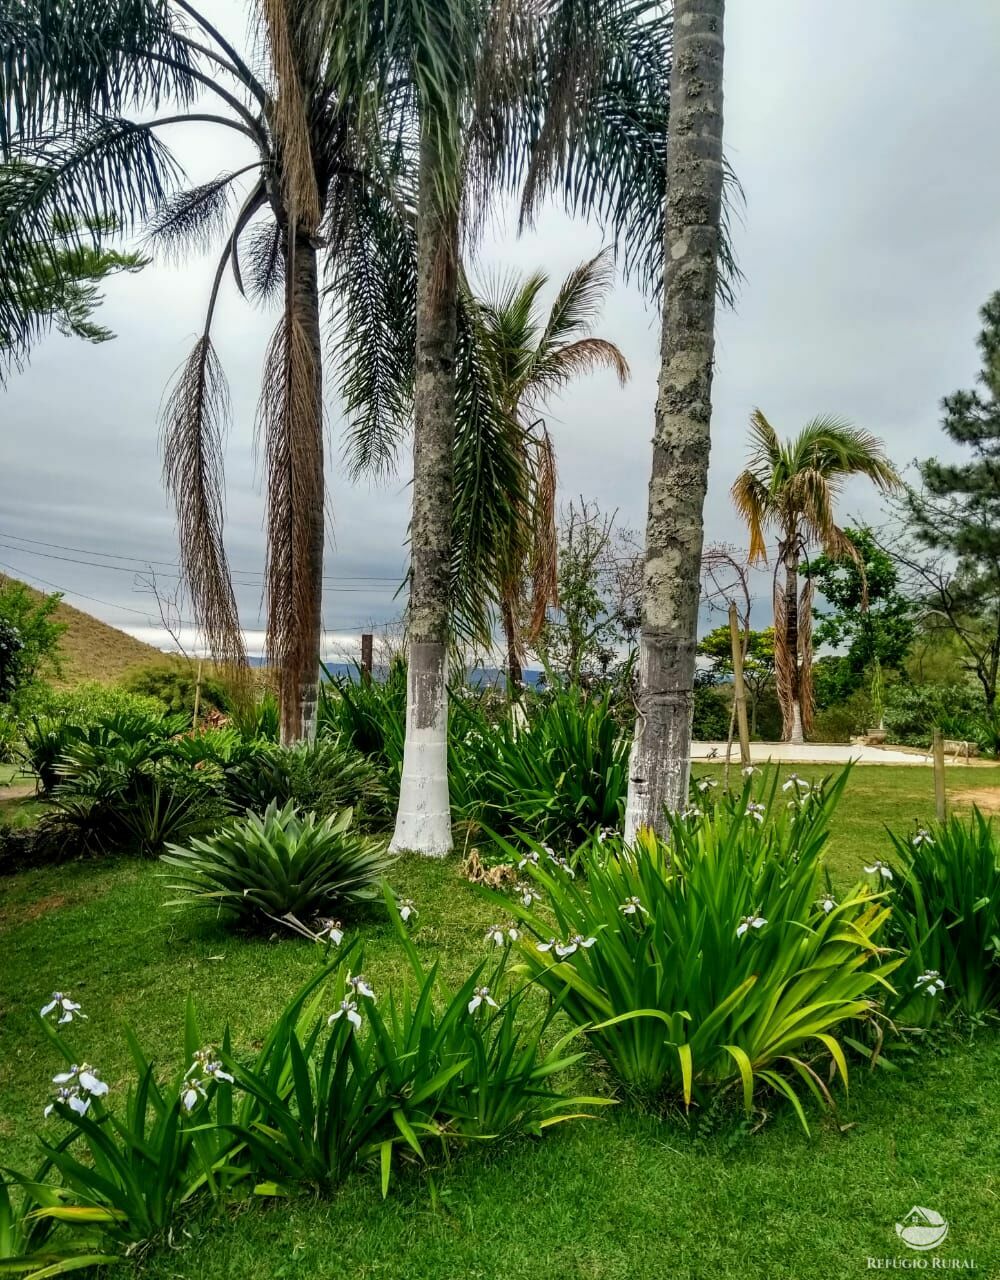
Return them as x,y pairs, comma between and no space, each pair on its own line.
528,358
790,488
83,116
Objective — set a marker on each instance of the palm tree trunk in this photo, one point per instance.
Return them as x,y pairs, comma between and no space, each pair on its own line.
515,674
793,712
423,819
661,751
300,671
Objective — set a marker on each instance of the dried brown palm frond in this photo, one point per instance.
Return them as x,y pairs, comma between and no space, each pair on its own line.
193,427
290,427
289,119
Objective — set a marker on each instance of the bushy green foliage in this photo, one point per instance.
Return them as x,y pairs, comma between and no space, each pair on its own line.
714,962
558,775
28,1243
29,639
712,711
175,685
324,776
945,895
912,711
260,869
370,715
261,718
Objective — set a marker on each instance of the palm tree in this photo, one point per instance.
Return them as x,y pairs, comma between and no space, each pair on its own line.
790,488
661,751
528,358
83,87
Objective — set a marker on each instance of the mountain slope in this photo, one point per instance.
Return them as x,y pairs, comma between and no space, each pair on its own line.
92,650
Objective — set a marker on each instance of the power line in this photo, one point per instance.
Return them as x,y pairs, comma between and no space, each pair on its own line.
168,564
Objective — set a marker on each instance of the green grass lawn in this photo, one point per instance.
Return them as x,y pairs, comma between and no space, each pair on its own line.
623,1195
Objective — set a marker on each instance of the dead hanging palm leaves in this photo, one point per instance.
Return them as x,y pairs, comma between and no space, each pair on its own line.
193,428
289,120
807,698
290,425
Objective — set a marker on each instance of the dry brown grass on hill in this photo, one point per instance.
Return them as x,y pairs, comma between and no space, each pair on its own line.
91,650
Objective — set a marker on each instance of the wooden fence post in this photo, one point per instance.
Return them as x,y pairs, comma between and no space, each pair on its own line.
940,801
366,657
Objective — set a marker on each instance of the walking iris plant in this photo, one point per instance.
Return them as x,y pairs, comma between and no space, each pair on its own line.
711,960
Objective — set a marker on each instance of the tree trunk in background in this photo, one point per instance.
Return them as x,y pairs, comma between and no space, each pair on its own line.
299,676
661,751
792,713
423,819
515,673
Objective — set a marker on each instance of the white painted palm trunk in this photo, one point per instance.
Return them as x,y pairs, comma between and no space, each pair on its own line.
423,819
797,736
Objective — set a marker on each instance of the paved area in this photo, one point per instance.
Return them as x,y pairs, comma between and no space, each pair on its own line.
819,753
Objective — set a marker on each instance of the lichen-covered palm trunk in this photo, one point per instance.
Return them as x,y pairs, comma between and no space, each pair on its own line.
660,761
423,819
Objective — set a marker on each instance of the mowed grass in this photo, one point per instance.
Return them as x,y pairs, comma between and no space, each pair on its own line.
627,1194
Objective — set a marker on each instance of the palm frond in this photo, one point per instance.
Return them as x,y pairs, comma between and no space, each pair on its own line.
195,418
807,697
71,189
563,364
752,500
82,62
262,270
192,219
289,118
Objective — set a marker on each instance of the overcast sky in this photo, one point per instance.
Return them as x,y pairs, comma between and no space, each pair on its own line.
863,132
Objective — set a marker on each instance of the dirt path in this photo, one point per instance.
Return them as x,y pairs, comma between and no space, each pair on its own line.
18,791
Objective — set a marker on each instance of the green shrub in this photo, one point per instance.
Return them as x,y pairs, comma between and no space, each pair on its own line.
28,1225
912,711
259,719
945,895
324,776
370,716
559,777
712,711
344,1080
261,869
175,684
716,962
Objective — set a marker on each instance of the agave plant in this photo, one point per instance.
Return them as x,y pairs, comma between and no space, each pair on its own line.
715,962
261,869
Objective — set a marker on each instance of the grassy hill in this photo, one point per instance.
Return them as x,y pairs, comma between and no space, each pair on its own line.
91,650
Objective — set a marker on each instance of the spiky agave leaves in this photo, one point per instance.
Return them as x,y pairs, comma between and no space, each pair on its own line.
290,426
194,422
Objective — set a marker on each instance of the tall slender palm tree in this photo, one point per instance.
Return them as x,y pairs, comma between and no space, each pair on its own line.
790,488
661,751
83,89
529,357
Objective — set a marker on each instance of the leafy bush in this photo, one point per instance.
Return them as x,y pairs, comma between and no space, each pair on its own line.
559,777
716,962
342,1081
370,716
174,685
325,776
840,722
912,711
282,864
945,894
259,719
712,712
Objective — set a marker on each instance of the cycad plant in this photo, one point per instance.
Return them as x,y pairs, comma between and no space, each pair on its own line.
529,357
790,488
90,94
